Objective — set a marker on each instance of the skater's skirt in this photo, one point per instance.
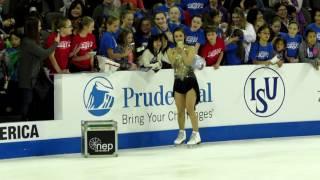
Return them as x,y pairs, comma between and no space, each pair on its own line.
185,85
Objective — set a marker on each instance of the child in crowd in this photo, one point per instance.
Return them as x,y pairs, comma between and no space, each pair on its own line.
59,59
194,34
293,40
126,44
275,28
12,54
217,21
309,50
175,18
127,19
316,25
161,26
108,43
85,41
10,61
255,17
213,18
279,45
261,51
213,50
143,34
194,7
234,51
296,15
166,6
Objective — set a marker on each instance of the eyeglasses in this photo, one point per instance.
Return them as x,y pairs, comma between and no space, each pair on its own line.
282,9
68,26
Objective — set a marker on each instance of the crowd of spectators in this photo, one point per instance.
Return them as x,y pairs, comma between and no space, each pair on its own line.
137,34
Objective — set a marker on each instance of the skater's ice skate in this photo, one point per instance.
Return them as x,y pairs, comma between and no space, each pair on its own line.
181,138
194,139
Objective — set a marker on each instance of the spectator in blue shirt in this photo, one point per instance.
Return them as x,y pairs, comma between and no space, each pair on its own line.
213,18
261,51
175,18
194,7
316,25
216,5
309,50
108,43
143,34
161,26
293,40
279,46
194,34
166,8
235,50
275,28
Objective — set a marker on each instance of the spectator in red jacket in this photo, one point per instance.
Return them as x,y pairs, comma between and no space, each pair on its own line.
213,50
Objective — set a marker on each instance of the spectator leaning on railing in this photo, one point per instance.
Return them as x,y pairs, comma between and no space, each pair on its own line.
309,50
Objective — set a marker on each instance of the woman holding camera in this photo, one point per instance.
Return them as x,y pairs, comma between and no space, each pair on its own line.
152,56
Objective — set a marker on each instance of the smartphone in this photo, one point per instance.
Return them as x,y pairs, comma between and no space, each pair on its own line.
180,44
145,69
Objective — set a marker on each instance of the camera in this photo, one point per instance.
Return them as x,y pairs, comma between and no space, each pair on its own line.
132,45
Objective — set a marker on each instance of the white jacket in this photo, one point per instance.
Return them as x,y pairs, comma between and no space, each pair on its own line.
147,59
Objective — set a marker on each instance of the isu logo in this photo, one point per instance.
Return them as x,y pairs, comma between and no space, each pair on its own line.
96,97
264,92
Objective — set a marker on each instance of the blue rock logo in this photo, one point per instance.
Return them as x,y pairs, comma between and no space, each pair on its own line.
97,98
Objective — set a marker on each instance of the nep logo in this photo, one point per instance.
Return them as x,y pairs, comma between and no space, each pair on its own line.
93,143
96,97
264,92
96,145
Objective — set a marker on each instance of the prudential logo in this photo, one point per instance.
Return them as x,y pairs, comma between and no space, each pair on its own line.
96,97
264,92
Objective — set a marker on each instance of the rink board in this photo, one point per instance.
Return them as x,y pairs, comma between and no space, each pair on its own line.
241,102
158,138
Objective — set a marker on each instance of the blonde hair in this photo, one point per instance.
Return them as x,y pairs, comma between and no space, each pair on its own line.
85,21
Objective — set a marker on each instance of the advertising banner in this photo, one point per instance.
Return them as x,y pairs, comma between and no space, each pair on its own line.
237,102
143,101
